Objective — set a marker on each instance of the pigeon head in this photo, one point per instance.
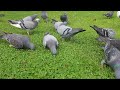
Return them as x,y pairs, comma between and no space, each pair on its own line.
32,46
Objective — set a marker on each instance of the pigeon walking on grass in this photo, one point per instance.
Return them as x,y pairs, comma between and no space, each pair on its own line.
66,31
44,15
103,33
112,56
109,14
50,42
25,25
18,41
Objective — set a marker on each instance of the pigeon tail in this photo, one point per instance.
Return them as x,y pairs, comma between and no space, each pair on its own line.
30,46
13,21
94,27
97,29
52,46
73,32
76,30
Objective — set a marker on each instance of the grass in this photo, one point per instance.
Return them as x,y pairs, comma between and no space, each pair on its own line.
79,58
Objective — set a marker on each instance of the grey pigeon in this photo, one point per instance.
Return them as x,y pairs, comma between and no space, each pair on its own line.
50,42
44,15
104,33
112,58
109,14
18,41
26,25
28,18
66,31
64,17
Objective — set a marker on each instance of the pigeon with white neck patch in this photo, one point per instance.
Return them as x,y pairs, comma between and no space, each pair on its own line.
25,25
17,41
50,42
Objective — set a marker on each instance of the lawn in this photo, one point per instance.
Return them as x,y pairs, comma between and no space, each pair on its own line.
78,58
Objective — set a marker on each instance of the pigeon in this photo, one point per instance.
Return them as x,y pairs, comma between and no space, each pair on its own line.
64,17
44,15
118,14
50,42
112,58
66,31
26,25
109,14
18,41
104,33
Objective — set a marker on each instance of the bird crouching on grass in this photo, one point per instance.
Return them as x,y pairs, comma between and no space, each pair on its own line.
17,41
50,42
